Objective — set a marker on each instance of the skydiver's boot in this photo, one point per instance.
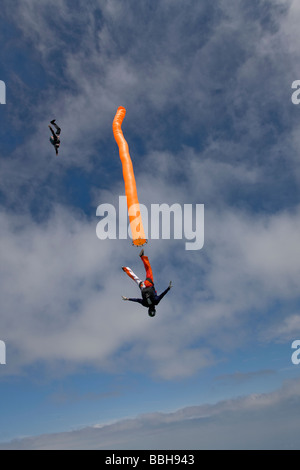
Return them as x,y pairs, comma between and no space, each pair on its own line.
142,252
53,121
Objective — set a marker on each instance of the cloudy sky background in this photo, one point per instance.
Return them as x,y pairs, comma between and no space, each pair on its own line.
207,89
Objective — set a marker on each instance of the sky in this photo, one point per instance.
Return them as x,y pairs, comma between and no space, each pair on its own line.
210,120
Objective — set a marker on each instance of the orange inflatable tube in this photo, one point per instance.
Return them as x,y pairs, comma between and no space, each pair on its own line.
135,219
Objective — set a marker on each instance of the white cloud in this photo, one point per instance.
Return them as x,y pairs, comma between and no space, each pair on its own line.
263,421
59,300
284,330
61,291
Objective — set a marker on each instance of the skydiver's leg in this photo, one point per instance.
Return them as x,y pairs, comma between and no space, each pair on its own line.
131,274
53,133
147,266
58,129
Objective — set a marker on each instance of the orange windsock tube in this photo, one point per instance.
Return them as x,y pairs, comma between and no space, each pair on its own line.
135,219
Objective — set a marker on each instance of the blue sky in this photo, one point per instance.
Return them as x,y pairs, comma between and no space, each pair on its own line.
207,89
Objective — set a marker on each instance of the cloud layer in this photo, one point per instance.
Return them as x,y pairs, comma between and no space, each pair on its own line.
264,422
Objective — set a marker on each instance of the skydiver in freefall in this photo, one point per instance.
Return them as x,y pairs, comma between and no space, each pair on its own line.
150,298
54,138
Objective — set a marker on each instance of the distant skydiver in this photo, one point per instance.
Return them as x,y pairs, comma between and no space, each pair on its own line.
54,138
149,295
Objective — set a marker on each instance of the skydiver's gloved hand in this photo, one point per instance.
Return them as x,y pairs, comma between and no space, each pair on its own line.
124,298
170,285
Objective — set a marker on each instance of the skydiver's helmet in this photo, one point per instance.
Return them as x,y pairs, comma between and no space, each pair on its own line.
151,311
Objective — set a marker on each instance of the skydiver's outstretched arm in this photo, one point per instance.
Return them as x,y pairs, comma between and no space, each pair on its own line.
159,297
140,301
